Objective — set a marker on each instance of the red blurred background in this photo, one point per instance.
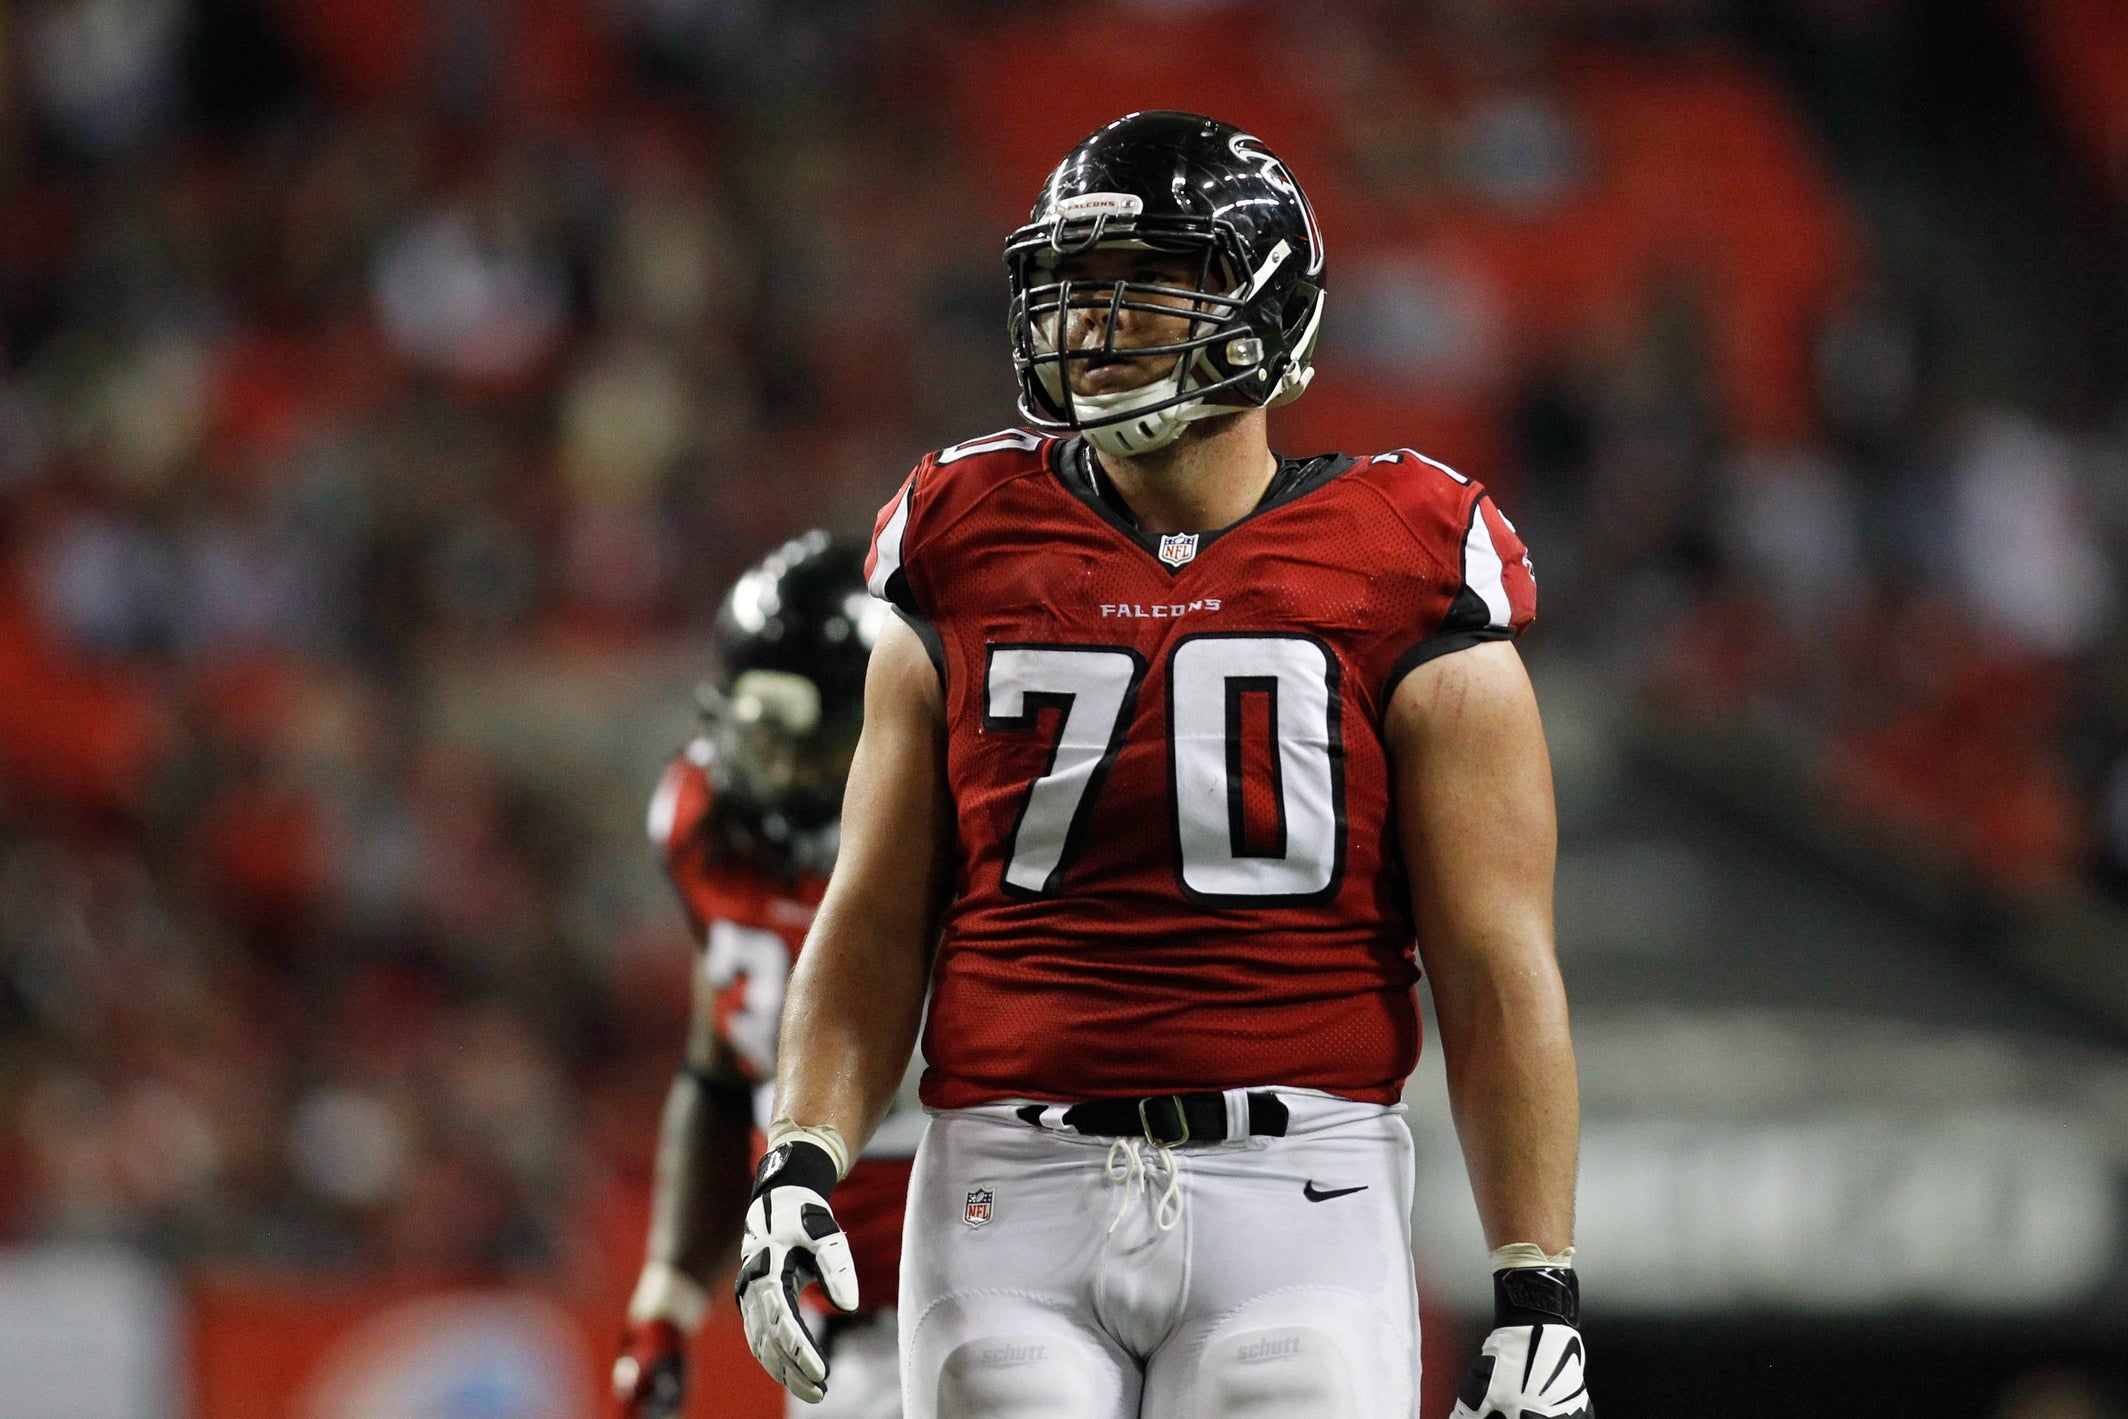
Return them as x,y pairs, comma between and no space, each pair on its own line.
391,387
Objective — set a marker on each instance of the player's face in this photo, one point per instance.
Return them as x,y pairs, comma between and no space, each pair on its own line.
1086,325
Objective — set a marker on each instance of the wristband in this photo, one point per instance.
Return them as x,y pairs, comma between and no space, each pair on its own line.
1529,1254
797,1163
824,1136
1536,1295
664,1292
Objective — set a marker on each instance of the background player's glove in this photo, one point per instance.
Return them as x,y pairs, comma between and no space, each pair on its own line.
1530,1367
650,1377
792,1238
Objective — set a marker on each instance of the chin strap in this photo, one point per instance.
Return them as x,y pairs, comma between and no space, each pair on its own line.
1149,432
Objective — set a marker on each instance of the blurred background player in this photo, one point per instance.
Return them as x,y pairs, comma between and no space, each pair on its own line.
746,819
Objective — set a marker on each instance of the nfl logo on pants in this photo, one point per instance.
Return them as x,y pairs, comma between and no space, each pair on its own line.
978,1207
1178,547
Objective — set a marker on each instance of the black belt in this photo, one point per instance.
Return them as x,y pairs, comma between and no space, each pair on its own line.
1168,1118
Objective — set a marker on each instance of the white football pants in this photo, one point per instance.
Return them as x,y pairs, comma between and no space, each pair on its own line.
1039,1282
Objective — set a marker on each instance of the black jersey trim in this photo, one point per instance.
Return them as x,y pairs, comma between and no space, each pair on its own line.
1072,462
1469,620
1433,648
934,645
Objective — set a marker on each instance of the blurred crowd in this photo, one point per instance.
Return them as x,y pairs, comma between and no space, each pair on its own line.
390,387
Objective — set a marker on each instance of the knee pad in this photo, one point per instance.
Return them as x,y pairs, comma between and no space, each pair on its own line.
1024,1376
1285,1372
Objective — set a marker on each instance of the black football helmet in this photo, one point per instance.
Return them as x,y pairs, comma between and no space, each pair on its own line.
1178,183
780,724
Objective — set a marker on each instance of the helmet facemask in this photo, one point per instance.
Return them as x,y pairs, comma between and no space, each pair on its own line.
1222,360
779,765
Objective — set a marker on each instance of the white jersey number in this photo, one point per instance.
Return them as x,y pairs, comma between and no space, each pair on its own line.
1093,688
764,959
1210,678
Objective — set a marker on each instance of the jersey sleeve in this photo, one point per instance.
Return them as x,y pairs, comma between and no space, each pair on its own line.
896,535
679,813
1489,584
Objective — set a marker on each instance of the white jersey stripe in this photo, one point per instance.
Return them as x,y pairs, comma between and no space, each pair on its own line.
888,560
1482,570
1437,463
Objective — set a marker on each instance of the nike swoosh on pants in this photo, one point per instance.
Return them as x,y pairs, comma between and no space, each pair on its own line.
1313,1195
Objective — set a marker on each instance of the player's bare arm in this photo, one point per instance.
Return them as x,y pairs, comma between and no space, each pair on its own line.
1475,812
856,997
1474,809
853,1008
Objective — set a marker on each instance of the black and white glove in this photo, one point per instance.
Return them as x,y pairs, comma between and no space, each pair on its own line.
792,1239
1530,1367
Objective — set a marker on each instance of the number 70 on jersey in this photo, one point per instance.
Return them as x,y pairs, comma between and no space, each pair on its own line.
1210,678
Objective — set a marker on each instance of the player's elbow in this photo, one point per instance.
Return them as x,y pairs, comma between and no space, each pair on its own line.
1511,980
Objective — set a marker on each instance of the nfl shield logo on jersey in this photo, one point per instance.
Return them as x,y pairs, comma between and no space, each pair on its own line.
978,1207
1178,547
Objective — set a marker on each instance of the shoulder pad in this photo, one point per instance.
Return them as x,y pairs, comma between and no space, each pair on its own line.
941,486
1461,531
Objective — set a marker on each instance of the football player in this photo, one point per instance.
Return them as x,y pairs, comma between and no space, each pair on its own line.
1182,747
746,821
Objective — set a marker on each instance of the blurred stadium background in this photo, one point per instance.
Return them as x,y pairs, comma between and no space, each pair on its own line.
390,387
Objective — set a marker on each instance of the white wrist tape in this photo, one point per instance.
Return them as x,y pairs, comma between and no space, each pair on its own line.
664,1292
824,1136
1520,1254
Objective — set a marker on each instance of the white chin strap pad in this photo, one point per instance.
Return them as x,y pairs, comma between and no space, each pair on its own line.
1131,437
1149,432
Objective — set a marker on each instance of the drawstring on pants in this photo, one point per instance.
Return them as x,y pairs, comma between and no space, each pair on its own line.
1126,1166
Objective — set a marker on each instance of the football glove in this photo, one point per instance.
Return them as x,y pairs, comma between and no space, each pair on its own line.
792,1238
1531,1365
650,1377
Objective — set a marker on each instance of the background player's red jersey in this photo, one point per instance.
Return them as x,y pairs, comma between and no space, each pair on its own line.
752,925
1178,862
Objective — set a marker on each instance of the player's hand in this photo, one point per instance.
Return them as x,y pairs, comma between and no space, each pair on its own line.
650,1377
1531,1365
792,1238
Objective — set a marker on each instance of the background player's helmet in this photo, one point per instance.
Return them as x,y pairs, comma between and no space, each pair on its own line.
794,635
1171,182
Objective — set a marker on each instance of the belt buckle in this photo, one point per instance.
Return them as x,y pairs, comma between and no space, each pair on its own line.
1182,1121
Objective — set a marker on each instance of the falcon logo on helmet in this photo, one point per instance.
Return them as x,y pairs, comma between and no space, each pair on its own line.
1183,185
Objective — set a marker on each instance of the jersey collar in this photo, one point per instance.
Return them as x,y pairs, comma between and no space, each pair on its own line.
1072,461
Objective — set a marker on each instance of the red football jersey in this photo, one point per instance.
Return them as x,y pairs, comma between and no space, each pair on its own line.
752,925
1178,863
